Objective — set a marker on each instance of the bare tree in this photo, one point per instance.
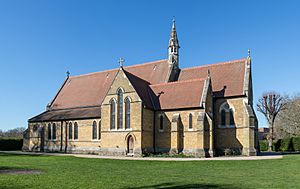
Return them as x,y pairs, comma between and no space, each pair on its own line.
288,122
13,133
270,104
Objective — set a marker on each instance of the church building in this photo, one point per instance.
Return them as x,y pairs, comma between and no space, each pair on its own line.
154,107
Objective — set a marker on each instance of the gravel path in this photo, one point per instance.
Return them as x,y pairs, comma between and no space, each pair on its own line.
152,158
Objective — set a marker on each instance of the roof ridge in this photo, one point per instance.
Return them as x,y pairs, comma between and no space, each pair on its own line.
92,73
114,69
179,82
146,63
217,64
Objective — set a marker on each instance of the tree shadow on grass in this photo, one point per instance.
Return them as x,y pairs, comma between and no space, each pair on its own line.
184,186
14,154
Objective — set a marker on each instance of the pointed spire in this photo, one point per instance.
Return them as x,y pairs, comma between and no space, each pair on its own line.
208,73
173,37
173,23
173,48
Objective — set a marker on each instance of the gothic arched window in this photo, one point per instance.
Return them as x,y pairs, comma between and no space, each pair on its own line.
127,113
231,118
94,132
54,131
70,130
223,117
49,131
75,131
99,130
161,122
190,121
112,114
120,108
226,115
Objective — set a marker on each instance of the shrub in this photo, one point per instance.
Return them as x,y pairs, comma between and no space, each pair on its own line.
276,145
228,152
11,144
263,144
296,143
286,144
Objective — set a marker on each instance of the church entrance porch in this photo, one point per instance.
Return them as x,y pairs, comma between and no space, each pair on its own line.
130,146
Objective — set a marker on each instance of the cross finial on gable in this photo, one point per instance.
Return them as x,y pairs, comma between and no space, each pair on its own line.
121,62
68,74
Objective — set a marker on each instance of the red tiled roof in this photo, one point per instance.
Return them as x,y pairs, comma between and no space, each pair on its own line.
142,88
148,79
90,89
153,72
84,90
182,94
227,77
67,114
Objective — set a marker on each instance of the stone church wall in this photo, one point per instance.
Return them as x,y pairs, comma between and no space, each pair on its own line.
238,137
192,139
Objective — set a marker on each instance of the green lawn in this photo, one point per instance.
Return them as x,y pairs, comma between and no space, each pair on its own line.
72,172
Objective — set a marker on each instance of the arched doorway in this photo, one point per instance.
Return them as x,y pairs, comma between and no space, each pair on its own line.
130,145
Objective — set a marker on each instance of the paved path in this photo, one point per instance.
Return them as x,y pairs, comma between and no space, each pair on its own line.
152,158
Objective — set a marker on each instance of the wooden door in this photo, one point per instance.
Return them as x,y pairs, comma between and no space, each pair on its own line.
130,145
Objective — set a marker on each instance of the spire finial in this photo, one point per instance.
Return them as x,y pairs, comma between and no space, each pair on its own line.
248,52
173,22
208,73
121,62
68,74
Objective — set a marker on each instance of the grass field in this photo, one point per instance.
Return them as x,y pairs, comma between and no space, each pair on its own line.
72,172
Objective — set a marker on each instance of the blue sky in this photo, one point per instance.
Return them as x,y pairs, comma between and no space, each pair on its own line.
41,40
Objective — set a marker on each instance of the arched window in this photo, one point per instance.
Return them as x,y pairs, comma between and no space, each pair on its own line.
54,131
49,131
75,131
231,118
94,130
120,108
70,130
226,115
99,130
161,122
127,113
190,121
223,117
112,114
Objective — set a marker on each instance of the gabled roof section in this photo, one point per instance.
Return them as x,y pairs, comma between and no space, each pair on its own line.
152,72
90,89
84,90
142,88
227,77
178,95
67,114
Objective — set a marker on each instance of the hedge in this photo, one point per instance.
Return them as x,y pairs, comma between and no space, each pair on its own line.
11,144
296,143
263,144
286,145
277,145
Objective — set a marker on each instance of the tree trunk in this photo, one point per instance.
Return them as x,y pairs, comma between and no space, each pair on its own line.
271,137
